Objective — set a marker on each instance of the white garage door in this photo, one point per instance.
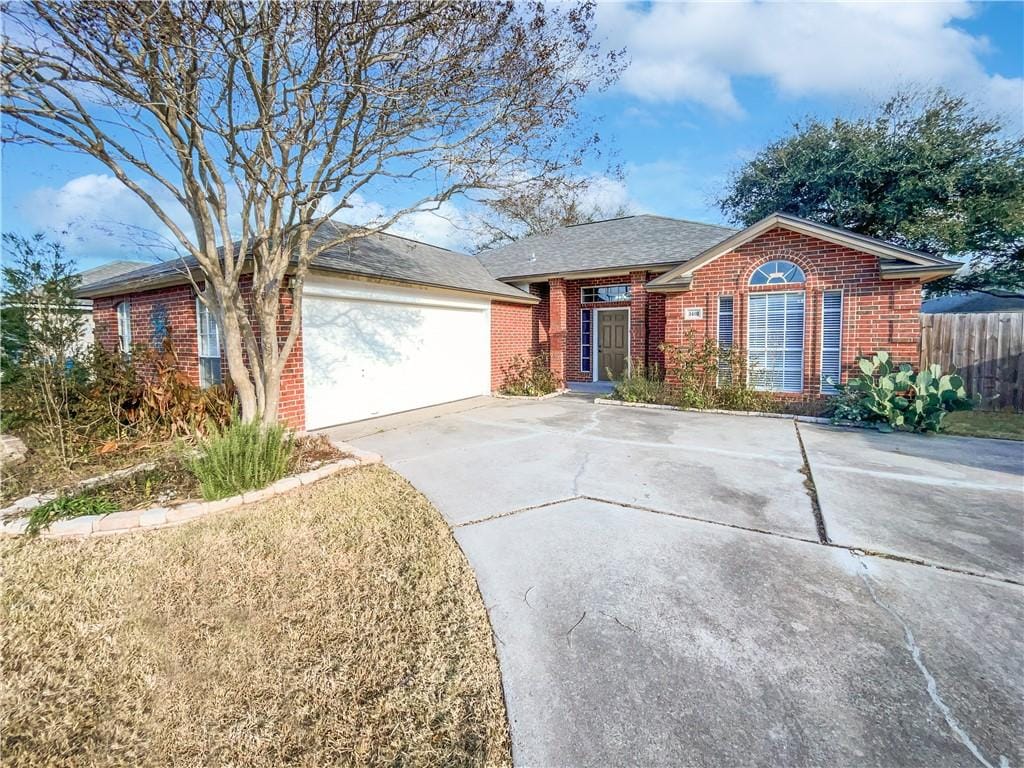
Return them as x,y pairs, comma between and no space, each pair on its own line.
370,350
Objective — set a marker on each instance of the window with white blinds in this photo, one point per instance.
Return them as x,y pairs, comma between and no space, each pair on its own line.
775,341
725,325
209,346
831,339
124,328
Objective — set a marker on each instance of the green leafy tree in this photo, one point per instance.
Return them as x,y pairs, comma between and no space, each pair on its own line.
41,318
928,173
42,332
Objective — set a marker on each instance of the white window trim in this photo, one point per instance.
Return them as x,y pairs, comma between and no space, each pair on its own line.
200,307
595,333
803,341
124,327
842,322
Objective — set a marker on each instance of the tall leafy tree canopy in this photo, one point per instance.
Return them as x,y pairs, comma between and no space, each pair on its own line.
928,173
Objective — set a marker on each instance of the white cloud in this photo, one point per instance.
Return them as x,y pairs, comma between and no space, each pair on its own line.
450,226
97,216
607,194
696,51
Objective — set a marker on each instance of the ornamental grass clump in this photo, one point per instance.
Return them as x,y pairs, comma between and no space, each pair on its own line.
243,456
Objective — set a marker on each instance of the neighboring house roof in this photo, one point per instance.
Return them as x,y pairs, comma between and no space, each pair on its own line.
895,261
613,244
375,255
109,270
974,301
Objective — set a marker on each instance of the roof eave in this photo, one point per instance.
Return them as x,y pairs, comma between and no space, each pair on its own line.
167,281
135,286
924,274
583,274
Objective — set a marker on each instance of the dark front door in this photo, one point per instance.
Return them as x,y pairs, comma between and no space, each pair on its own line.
612,344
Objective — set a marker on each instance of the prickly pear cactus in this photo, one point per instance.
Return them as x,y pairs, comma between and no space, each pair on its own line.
895,397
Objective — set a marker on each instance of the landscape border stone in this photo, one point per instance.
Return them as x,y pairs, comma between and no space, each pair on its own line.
152,518
548,396
763,414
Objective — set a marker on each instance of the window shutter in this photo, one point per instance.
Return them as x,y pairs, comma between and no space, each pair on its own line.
725,325
831,339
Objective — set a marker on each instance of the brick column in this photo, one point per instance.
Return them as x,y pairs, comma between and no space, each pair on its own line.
638,317
557,327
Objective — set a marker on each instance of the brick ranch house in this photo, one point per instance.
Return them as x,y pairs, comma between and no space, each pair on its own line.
391,324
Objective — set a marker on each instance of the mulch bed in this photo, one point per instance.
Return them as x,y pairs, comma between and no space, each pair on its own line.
170,482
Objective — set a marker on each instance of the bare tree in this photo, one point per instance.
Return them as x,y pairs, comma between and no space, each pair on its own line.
262,120
539,206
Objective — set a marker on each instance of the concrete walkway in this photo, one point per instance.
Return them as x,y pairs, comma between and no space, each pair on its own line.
660,594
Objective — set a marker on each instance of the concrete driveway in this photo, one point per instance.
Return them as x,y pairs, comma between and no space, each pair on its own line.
660,594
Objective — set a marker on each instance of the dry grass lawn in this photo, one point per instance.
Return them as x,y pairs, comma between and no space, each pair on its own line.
339,624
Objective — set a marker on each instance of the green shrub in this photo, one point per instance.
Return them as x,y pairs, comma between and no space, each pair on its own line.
712,376
65,507
529,376
892,397
641,384
242,456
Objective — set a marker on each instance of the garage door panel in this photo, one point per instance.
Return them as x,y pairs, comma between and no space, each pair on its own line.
366,358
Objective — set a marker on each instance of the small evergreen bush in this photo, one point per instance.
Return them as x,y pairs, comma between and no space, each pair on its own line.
243,456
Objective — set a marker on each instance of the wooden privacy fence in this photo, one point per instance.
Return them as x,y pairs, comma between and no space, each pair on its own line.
987,348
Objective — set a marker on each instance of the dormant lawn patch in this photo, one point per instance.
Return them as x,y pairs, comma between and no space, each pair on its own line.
337,624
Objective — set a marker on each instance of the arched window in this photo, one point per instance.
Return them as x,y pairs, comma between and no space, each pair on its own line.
777,273
775,328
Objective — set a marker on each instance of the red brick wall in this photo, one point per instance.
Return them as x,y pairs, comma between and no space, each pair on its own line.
513,332
155,314
291,409
174,309
877,314
646,320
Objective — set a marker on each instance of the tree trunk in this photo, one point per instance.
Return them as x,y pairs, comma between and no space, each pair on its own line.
239,372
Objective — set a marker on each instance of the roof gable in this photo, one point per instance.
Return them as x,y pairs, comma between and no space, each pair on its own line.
895,260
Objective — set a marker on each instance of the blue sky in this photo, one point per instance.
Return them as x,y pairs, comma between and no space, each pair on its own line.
709,84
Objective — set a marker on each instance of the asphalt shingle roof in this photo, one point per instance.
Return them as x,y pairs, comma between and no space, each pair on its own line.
975,301
109,270
374,255
631,241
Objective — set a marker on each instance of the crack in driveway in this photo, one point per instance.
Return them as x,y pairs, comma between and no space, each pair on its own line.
930,683
790,537
579,474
